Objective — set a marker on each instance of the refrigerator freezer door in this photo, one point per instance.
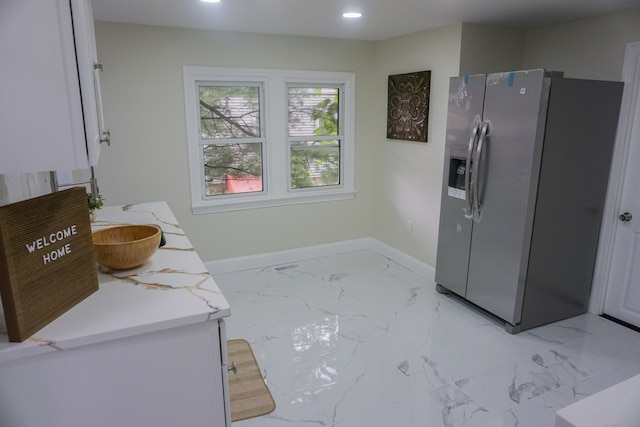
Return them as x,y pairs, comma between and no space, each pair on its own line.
466,97
507,174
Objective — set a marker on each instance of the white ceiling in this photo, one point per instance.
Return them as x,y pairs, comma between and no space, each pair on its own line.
382,19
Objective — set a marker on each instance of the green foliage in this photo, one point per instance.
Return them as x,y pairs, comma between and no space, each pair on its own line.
232,112
241,160
95,203
300,172
326,112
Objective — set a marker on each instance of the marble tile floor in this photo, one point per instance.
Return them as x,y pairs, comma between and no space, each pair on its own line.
355,339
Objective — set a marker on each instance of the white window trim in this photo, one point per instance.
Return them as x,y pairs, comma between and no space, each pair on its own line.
276,150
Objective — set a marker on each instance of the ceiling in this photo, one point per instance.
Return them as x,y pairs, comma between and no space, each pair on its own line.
382,19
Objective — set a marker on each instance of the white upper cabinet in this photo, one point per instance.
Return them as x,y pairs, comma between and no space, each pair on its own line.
50,113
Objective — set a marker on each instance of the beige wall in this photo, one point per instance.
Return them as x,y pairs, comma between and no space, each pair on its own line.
410,173
590,49
147,160
489,49
396,181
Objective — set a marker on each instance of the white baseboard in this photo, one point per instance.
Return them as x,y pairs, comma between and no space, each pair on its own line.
407,261
300,254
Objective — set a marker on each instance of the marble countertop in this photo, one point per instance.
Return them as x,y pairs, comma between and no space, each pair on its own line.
172,289
616,406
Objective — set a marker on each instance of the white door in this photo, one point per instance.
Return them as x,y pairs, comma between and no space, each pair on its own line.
622,299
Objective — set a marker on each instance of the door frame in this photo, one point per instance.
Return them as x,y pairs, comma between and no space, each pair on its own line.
602,271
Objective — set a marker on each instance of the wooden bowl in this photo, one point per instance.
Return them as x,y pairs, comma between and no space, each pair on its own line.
127,246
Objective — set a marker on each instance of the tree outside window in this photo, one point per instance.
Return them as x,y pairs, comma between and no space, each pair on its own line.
314,136
230,118
266,137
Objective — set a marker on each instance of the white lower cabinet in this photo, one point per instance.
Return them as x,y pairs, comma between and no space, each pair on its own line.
173,377
147,349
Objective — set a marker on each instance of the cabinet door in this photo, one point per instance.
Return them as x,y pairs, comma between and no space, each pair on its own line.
165,378
89,70
41,109
224,355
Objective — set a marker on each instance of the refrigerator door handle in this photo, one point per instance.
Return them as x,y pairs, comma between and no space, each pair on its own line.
477,214
468,211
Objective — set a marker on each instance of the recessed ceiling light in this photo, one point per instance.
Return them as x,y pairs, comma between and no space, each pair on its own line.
352,15
210,1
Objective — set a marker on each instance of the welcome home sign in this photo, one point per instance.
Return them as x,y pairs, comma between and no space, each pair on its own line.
47,263
45,241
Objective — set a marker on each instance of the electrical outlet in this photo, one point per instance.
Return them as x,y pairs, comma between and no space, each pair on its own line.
408,226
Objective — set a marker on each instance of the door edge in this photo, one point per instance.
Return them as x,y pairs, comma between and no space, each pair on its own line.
602,270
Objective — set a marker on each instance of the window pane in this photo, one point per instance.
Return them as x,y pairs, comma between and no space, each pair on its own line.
315,164
232,168
229,112
313,111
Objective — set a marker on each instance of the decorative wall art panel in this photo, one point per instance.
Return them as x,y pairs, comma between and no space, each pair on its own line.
408,106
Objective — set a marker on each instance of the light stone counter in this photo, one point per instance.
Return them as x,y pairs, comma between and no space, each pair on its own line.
147,349
616,406
172,289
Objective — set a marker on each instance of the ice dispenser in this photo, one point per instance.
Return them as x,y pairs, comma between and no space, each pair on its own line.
457,170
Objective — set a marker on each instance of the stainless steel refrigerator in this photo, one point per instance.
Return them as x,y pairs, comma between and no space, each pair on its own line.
527,162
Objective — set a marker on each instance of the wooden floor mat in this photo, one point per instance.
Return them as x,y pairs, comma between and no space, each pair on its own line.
250,396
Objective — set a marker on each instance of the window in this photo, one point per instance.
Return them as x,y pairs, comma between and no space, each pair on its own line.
314,135
260,138
230,137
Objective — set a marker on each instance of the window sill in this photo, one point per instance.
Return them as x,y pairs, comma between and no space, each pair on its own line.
262,201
